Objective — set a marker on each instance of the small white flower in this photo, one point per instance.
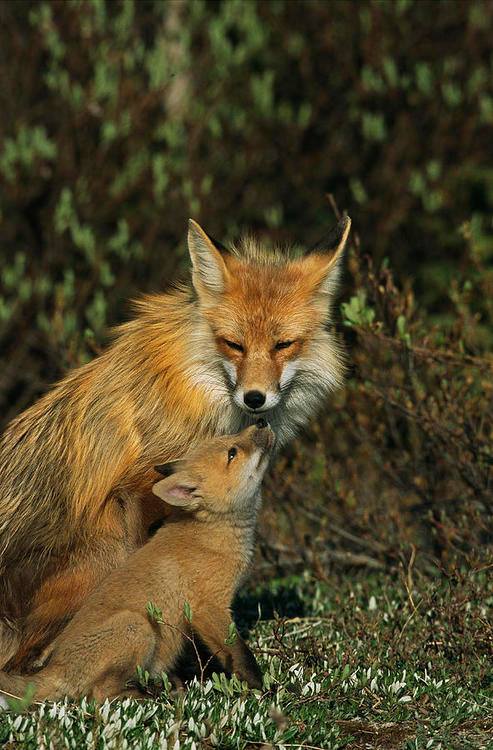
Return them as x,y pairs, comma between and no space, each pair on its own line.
405,699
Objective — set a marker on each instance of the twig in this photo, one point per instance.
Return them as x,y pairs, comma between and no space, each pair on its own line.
20,698
425,353
409,583
416,607
295,631
333,205
191,638
357,560
300,746
360,541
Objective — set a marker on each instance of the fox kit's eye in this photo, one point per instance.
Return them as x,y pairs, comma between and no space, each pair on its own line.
284,344
231,454
234,345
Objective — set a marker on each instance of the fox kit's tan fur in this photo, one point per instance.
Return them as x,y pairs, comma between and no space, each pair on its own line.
199,557
250,335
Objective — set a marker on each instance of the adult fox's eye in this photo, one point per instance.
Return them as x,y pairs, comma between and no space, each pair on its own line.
231,454
234,345
284,344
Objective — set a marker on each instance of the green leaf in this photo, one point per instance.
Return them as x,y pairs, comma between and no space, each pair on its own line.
154,613
232,634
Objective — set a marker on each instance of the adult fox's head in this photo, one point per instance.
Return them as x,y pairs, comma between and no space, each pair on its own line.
269,316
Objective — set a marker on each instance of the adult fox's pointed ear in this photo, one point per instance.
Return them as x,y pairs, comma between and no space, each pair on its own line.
327,255
178,490
209,269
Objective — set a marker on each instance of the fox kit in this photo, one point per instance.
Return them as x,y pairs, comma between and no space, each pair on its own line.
199,557
250,335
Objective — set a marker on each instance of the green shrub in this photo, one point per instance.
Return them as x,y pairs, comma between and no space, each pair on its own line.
399,468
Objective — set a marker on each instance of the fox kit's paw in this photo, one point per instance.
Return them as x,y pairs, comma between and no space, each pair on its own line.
253,678
245,665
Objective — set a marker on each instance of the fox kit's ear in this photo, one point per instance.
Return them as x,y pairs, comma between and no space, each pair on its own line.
209,269
328,255
178,490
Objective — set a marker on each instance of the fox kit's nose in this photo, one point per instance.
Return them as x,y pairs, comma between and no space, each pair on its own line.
254,399
262,435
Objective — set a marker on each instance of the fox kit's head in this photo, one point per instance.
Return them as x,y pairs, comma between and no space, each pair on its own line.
222,476
268,315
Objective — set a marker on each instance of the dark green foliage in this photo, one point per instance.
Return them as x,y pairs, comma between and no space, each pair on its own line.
120,119
400,465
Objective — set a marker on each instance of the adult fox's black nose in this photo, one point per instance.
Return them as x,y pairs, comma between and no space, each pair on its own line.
254,399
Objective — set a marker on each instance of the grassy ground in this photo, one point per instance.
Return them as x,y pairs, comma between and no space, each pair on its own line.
361,662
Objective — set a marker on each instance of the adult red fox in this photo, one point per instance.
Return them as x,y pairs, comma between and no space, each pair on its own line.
197,559
249,335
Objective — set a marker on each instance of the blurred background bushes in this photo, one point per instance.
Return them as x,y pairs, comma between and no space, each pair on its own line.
121,119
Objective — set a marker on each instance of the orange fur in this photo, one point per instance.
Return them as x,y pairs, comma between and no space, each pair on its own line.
76,467
200,558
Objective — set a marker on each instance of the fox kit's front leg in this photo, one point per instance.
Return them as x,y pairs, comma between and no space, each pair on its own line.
213,627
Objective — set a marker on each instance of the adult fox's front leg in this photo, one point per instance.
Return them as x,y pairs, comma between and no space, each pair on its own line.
95,661
64,590
54,604
69,467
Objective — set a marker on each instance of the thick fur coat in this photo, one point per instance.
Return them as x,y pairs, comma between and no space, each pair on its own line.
194,563
76,467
